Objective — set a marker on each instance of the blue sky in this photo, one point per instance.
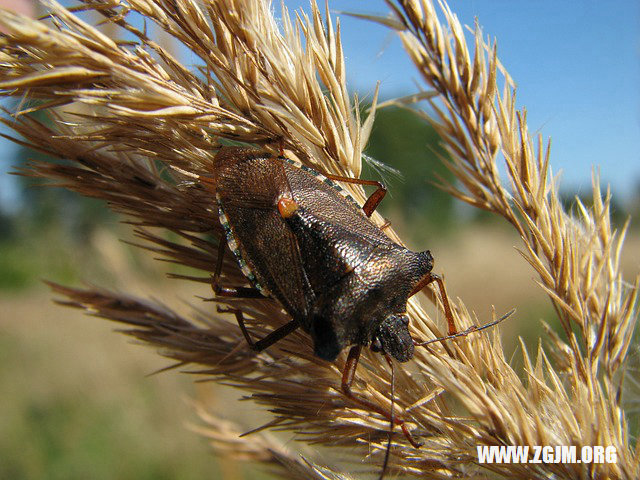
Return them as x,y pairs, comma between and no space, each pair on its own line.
576,65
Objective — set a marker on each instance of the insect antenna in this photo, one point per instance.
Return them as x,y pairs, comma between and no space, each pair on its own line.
448,313
472,328
393,400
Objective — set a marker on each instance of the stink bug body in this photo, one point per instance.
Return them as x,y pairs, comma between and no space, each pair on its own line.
302,240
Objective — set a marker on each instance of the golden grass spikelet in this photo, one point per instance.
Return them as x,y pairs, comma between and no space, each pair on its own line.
577,259
125,112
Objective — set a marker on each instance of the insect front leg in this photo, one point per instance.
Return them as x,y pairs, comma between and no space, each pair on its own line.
453,331
430,278
348,375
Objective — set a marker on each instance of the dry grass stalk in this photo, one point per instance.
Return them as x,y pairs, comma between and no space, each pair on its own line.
139,110
227,440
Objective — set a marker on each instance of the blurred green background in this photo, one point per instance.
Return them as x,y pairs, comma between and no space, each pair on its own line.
78,401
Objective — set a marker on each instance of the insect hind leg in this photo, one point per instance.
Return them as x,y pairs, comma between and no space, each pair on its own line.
374,199
246,292
267,341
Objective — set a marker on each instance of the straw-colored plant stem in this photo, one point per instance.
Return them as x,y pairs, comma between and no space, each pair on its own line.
139,111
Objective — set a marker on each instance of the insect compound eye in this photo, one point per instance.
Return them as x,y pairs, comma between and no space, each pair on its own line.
375,346
395,338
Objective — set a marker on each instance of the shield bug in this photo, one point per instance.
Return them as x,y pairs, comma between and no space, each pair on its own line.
301,239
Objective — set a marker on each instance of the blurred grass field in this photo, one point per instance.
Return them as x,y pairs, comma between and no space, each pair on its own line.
78,401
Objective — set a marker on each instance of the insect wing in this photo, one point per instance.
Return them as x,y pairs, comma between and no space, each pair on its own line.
248,186
330,203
